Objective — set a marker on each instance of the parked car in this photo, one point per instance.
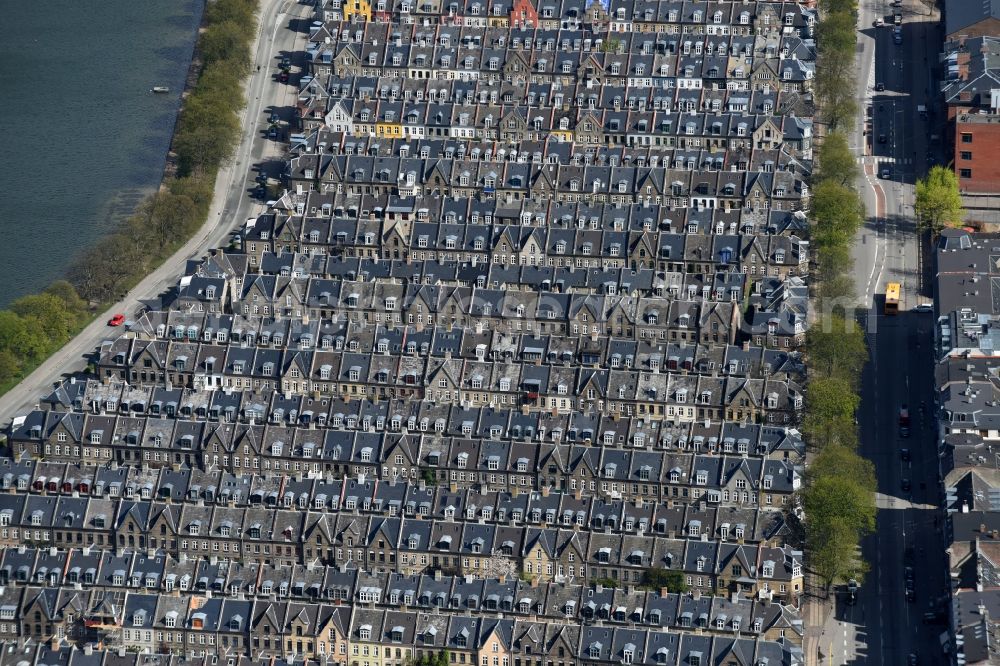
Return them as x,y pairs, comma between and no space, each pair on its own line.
904,455
116,320
879,87
852,591
886,173
905,485
933,617
924,307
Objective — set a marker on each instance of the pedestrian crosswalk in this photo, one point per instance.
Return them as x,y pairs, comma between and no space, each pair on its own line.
885,160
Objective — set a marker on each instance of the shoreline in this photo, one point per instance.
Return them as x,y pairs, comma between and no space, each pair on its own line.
128,259
190,80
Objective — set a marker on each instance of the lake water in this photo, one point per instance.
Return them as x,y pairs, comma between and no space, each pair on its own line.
82,138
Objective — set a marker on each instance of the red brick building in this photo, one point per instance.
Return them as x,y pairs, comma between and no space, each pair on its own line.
977,152
523,14
972,101
964,19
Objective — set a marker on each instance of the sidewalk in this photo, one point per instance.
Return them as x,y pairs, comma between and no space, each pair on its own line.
815,612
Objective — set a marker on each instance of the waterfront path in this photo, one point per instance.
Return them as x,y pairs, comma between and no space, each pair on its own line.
230,207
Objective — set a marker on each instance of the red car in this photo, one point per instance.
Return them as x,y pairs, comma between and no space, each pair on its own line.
117,320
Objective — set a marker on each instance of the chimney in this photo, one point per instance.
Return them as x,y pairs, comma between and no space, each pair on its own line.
545,491
663,592
696,595
534,581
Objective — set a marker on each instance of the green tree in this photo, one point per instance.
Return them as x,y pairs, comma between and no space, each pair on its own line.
830,405
48,314
206,135
836,32
836,286
10,366
199,190
240,11
836,496
605,582
839,460
833,256
170,217
18,337
838,213
102,273
832,547
839,503
217,80
836,347
654,578
71,300
831,6
611,45
836,161
225,41
428,476
938,200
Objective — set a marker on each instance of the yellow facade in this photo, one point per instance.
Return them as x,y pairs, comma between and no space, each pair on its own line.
538,564
389,130
360,9
370,652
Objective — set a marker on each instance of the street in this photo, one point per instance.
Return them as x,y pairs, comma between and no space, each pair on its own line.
282,25
883,627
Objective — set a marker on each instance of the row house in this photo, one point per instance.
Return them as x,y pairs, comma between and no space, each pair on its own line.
286,588
556,549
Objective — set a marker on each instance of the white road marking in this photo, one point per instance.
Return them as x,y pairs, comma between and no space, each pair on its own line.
878,263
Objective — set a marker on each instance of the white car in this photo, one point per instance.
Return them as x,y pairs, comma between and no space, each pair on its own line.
924,307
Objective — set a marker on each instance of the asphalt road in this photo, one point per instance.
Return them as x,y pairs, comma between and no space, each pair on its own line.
282,29
883,627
